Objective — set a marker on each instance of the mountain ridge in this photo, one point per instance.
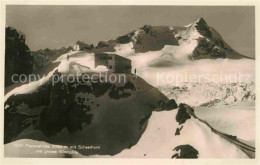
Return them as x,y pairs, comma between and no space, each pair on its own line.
210,43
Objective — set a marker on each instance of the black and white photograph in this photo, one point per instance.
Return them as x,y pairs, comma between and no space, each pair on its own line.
129,81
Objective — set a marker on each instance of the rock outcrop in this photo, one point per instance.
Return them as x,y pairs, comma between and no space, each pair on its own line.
18,59
83,46
185,152
183,113
211,44
153,38
144,39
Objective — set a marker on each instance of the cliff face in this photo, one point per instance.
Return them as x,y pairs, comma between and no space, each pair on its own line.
18,59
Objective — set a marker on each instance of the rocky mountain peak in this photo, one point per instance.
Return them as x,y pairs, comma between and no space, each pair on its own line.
12,32
18,59
203,28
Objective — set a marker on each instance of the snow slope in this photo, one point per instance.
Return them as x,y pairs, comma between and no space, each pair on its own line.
159,139
236,120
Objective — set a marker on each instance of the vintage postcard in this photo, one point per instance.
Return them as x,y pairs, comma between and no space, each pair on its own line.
134,82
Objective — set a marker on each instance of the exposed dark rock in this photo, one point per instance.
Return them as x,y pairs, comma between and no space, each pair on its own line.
125,38
119,92
219,42
161,104
231,136
208,49
217,53
152,38
204,47
171,104
186,152
146,28
211,45
102,44
18,59
145,119
83,46
178,130
183,113
210,103
203,28
67,155
16,124
45,57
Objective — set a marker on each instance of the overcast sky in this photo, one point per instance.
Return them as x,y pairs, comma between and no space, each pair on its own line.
58,26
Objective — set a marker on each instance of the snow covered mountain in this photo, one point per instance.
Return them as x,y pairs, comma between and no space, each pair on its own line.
77,113
195,41
162,45
210,43
139,118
